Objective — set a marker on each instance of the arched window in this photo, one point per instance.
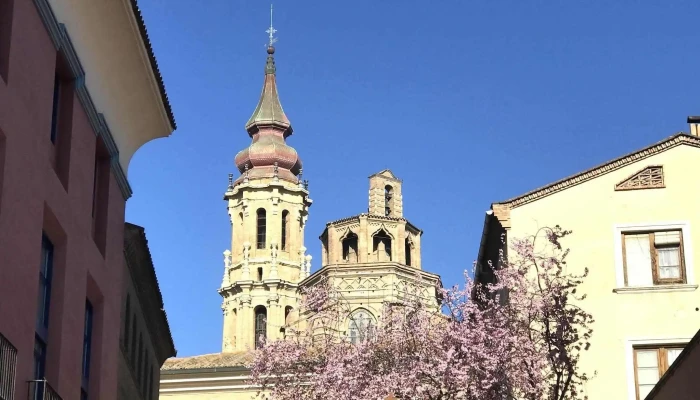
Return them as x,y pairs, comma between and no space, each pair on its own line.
262,222
285,223
360,326
287,314
350,248
260,325
388,195
382,246
407,250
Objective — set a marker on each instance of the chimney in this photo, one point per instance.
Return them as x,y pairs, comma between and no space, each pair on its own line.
694,123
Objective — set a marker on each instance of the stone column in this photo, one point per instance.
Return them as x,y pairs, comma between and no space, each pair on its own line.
245,326
363,247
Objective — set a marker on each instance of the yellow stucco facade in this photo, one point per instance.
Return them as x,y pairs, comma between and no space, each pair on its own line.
635,228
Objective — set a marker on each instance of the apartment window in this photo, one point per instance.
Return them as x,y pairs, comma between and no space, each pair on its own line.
60,131
653,258
650,363
6,12
44,292
55,107
87,346
39,358
100,196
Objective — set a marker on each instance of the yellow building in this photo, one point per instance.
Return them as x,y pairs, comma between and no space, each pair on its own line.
371,258
632,220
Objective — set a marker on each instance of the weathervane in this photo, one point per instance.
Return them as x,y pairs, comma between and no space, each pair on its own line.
271,31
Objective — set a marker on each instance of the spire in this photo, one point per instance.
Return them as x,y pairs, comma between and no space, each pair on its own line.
269,156
269,112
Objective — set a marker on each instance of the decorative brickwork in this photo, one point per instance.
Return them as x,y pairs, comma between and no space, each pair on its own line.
651,177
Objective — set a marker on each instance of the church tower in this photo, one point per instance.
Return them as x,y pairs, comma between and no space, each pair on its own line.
268,207
374,258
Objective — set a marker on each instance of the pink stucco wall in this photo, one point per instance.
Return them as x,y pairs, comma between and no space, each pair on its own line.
34,199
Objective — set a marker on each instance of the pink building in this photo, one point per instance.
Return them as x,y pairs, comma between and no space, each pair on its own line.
80,92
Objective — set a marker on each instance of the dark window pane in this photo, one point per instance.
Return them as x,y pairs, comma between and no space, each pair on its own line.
39,358
87,342
262,222
54,110
260,325
44,292
285,216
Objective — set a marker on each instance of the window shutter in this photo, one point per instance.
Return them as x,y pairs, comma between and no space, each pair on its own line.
667,238
638,260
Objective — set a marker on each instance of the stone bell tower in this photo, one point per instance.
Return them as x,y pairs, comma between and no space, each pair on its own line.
268,206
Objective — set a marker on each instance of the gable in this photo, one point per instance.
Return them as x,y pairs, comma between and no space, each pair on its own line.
637,157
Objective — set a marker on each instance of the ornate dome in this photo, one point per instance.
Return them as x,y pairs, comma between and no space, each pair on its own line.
269,127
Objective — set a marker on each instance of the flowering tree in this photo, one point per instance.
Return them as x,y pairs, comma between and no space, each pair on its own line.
519,337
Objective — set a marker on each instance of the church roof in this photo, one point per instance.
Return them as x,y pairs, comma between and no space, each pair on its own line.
386,173
204,361
678,139
269,111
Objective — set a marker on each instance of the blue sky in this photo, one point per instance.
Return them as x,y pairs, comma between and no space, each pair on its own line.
467,102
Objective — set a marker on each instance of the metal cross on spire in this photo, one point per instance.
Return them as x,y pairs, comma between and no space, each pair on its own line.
271,31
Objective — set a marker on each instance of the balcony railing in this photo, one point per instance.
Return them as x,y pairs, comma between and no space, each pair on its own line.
41,390
8,368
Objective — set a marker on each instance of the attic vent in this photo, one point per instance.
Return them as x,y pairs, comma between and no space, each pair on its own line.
651,177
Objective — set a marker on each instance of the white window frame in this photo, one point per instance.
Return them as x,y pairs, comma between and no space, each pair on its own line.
684,227
631,343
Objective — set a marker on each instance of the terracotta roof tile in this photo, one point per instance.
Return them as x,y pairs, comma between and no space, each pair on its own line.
670,142
215,360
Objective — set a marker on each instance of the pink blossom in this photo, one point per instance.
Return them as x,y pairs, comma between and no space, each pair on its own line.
519,337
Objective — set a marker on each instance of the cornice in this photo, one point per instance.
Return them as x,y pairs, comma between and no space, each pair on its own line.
592,173
61,40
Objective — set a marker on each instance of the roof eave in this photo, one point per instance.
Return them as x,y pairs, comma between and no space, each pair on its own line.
157,76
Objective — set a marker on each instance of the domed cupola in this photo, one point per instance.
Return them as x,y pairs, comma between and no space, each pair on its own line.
269,155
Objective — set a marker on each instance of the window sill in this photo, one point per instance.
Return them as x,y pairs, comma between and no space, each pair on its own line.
656,289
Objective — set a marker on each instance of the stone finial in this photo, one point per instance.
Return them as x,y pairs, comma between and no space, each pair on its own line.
230,181
246,174
275,170
307,265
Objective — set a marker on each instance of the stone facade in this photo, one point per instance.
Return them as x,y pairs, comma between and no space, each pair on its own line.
266,263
